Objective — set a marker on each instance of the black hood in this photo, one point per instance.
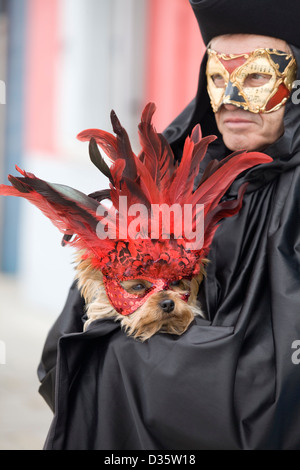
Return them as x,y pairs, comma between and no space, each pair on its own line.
268,18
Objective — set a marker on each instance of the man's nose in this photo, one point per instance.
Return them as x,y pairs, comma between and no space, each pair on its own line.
233,96
230,107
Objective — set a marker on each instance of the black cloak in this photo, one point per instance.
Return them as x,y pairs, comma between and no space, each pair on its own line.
231,381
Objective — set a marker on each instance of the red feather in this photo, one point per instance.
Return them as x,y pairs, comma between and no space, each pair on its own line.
152,178
105,140
194,151
115,147
216,184
71,211
156,155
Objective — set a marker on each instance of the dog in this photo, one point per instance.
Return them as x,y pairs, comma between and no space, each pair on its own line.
165,311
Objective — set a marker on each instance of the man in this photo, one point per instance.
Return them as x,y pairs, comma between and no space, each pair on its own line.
233,380
243,129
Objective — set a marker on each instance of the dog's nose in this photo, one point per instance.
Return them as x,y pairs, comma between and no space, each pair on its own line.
167,305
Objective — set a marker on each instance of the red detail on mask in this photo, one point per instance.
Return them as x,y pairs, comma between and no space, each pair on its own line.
281,93
231,64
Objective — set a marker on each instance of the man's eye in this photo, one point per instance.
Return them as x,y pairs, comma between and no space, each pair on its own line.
138,287
218,80
256,79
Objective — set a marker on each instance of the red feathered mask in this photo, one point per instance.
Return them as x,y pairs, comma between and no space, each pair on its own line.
159,226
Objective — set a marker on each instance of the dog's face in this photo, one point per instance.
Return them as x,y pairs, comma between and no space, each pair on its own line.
171,310
167,311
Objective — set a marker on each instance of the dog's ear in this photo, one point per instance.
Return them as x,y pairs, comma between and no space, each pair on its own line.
85,268
89,279
202,272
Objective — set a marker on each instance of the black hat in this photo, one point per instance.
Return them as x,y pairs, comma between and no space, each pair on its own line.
274,18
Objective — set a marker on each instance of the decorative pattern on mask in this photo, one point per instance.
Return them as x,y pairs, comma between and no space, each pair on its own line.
259,81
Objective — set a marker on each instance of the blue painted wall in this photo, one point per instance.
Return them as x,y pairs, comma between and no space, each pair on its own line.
16,12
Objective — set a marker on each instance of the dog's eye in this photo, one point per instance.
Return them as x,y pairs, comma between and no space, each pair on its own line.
180,285
138,287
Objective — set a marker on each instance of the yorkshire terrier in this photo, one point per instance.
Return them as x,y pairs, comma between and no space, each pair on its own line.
167,311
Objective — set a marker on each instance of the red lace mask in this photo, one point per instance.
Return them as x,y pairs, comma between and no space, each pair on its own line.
126,303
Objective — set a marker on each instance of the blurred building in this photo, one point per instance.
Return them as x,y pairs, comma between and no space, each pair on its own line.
65,64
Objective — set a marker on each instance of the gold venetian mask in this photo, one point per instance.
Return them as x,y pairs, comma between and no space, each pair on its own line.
259,81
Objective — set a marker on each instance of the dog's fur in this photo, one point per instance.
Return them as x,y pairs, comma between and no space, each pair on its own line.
150,317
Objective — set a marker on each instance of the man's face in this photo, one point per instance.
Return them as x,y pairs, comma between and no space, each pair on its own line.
245,130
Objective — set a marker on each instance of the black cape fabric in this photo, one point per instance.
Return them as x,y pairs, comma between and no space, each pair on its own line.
231,381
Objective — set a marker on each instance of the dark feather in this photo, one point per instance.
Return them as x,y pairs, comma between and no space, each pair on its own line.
107,141
156,151
100,195
124,147
66,239
98,160
18,184
64,196
136,192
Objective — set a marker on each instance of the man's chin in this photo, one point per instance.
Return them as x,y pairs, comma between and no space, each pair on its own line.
238,142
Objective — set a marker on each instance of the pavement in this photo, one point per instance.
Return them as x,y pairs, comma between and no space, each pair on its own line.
24,415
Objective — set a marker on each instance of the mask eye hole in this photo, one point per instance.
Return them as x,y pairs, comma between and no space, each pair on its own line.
180,285
256,79
219,80
136,286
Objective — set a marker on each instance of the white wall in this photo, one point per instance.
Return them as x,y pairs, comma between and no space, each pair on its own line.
46,268
101,66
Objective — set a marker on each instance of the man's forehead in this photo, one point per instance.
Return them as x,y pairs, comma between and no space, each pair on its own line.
243,43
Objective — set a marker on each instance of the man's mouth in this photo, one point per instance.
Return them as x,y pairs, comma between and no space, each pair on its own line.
235,123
